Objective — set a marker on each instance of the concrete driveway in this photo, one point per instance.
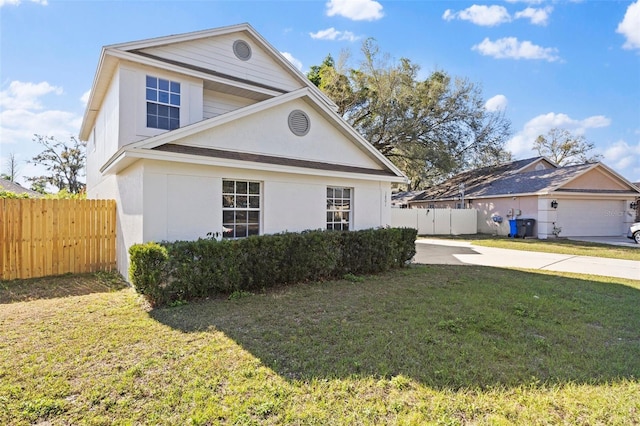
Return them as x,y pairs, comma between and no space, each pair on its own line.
614,241
452,252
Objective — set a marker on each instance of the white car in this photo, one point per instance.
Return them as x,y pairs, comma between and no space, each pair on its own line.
634,232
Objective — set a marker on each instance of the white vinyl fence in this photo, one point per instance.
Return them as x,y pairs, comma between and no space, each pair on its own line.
437,221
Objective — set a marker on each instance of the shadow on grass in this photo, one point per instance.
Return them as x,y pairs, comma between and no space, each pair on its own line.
59,286
445,326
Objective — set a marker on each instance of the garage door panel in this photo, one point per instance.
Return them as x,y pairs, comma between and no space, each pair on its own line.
590,218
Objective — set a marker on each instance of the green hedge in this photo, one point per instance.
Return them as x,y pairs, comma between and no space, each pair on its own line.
186,270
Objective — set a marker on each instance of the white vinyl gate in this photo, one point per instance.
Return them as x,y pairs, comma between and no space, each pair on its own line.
437,221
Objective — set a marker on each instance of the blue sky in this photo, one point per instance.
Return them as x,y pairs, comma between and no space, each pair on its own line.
569,64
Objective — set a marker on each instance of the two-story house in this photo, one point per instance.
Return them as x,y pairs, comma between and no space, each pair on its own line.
216,132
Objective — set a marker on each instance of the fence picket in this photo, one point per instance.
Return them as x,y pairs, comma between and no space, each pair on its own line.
51,237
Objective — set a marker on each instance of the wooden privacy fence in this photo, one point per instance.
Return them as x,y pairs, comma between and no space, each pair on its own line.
51,237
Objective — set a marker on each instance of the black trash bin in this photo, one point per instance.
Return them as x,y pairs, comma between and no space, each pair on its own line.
520,228
526,228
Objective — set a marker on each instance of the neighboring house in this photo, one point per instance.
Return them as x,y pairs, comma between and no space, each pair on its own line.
216,132
401,199
16,188
581,200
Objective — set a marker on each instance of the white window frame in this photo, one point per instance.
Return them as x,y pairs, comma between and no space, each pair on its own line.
241,208
157,97
339,208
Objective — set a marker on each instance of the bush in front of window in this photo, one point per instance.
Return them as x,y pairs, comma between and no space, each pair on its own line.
187,270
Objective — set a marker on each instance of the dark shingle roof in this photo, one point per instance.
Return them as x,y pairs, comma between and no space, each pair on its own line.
16,188
474,179
268,159
529,182
506,179
404,196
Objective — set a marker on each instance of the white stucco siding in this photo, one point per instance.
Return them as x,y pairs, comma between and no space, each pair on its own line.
488,208
371,205
180,207
128,189
132,104
103,139
184,202
267,132
293,206
217,103
216,54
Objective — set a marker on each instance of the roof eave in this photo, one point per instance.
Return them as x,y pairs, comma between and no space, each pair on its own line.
124,158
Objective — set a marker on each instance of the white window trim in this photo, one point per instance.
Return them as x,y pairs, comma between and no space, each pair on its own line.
245,209
349,210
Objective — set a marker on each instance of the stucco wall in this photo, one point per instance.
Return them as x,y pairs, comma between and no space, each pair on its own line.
126,189
185,201
488,208
596,179
267,132
103,140
132,101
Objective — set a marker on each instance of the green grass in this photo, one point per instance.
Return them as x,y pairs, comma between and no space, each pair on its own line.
425,345
560,246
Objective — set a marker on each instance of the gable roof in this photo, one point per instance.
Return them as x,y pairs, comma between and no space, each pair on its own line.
519,178
166,145
16,188
133,51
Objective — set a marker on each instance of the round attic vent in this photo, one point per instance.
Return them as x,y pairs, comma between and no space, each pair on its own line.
242,50
540,166
299,123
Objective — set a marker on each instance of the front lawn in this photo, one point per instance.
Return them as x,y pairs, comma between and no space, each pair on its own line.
429,344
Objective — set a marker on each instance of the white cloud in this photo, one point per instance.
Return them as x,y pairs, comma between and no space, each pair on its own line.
21,95
333,34
487,16
525,1
630,26
23,113
497,103
357,10
536,16
594,122
85,97
296,63
624,158
512,48
19,125
521,145
17,2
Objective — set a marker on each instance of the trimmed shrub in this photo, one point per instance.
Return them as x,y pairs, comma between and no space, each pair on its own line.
147,271
186,270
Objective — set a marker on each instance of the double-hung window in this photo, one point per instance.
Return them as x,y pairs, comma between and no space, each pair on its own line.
339,208
240,208
163,103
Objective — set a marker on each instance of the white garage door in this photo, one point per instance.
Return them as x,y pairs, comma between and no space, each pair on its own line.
590,218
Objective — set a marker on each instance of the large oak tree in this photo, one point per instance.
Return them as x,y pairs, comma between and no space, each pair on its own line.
564,148
430,128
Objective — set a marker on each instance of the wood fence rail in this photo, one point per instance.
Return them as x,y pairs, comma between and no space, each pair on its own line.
40,237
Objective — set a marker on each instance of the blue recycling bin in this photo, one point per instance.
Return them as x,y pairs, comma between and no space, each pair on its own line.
513,228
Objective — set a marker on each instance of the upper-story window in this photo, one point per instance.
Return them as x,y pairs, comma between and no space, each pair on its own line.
163,103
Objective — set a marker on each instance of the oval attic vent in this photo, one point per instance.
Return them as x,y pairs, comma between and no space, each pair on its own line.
242,50
299,123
